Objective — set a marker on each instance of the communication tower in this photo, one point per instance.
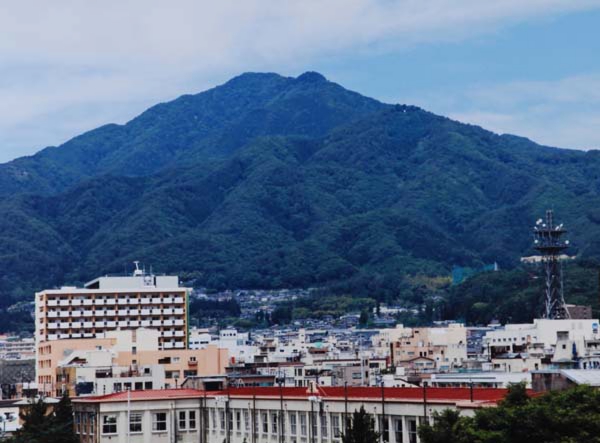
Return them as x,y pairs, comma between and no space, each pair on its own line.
550,244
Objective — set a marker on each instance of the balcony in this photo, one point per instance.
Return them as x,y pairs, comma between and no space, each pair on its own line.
156,323
168,300
111,301
53,325
179,334
178,311
52,336
168,322
145,301
88,313
52,314
52,302
122,301
146,323
178,300
76,325
76,302
168,311
111,324
178,322
156,312
123,312
88,324
64,314
192,363
64,325
77,314
123,324
156,301
134,312
63,303
146,311
134,323
88,302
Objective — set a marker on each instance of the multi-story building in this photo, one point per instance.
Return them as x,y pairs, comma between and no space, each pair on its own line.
115,302
61,364
266,415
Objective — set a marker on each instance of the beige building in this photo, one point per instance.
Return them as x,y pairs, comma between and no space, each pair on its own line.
422,350
111,303
130,349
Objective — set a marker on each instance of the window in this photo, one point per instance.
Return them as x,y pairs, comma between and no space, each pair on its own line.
246,420
192,420
385,428
293,427
303,430
213,416
398,429
265,422
335,427
324,426
222,419
135,422
238,420
109,424
77,423
412,430
274,423
314,424
159,422
182,422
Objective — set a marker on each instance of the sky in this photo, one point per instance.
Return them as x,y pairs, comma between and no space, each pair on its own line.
526,67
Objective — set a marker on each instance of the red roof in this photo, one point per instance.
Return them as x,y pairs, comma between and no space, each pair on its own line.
438,395
409,394
151,394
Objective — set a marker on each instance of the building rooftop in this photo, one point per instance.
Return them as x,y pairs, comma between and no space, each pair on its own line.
152,394
434,395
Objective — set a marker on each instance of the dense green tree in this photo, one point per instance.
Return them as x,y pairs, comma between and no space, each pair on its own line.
361,428
557,417
40,425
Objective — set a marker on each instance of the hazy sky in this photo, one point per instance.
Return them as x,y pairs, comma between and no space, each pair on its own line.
529,67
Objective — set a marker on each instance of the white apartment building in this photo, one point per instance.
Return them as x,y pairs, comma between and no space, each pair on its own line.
110,303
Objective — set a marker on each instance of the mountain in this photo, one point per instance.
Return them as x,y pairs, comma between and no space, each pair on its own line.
269,181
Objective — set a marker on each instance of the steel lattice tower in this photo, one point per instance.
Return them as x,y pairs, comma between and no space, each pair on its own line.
548,241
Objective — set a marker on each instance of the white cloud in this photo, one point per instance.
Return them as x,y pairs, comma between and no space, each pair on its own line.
110,59
563,113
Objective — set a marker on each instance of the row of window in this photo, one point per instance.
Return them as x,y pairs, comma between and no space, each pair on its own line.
186,421
268,422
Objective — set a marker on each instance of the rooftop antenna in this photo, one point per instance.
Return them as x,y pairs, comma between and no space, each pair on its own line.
137,272
548,241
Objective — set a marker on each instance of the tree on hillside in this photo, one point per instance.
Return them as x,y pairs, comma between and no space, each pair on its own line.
361,429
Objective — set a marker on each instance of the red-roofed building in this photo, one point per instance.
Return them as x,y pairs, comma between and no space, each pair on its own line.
265,414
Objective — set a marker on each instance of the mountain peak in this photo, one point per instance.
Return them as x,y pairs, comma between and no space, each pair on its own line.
312,77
